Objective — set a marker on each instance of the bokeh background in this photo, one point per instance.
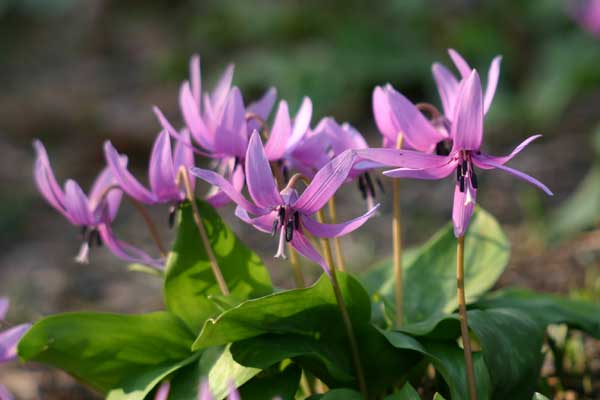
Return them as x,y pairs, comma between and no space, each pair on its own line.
75,73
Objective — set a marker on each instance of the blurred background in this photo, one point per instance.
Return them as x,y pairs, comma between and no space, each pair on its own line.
76,73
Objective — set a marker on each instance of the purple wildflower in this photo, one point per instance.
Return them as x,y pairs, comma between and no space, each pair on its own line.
587,14
93,213
467,132
9,339
287,213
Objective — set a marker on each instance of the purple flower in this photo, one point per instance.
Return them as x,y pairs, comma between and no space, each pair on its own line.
9,339
467,131
288,213
587,14
162,170
285,134
93,213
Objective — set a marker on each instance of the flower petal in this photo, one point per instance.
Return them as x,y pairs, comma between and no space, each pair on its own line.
231,137
304,247
183,157
383,115
45,180
204,391
233,393
4,304
193,119
163,391
126,181
301,123
462,209
195,79
325,183
126,251
433,173
99,197
280,134
418,132
9,339
381,157
234,194
460,63
263,223
76,203
221,91
259,177
492,83
334,230
481,159
5,394
262,107
521,175
447,87
161,173
467,126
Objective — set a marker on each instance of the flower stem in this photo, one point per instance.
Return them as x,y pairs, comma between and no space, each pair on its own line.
183,176
462,310
397,238
344,311
337,244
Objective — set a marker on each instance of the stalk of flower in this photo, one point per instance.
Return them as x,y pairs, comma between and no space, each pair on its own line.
9,340
167,171
466,154
93,213
287,213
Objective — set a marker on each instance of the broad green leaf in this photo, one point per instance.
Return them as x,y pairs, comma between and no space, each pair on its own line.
406,393
438,396
548,309
430,270
269,384
189,278
109,351
539,396
338,394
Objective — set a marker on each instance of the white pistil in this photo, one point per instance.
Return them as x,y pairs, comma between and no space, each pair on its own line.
281,247
83,255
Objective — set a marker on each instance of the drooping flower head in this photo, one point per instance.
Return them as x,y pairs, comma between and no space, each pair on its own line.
466,154
287,213
93,213
9,339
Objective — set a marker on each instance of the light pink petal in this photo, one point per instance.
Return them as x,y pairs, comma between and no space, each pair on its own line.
263,223
183,157
325,183
280,133
221,91
45,180
381,157
301,123
76,203
163,391
447,87
233,393
304,247
4,304
259,177
193,119
5,394
262,107
492,83
100,197
433,173
383,115
234,194
220,198
9,339
462,210
460,63
166,125
204,391
161,173
231,137
481,159
418,132
126,251
124,178
467,126
195,79
521,175
334,230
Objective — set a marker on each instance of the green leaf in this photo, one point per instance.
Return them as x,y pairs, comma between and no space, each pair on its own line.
269,384
548,309
109,351
406,393
189,278
438,396
430,272
539,396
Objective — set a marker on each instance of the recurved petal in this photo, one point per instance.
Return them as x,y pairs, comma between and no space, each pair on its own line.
195,79
263,223
467,126
163,391
384,157
262,107
301,123
482,159
193,119
4,304
447,87
231,137
204,391
219,94
106,192
9,340
492,83
45,180
462,210
418,132
325,183
521,175
234,194
280,134
124,178
460,63
161,172
303,246
77,205
433,173
334,230
383,115
126,251
259,177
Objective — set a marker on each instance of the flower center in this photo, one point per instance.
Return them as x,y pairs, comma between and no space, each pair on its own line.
465,173
287,221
